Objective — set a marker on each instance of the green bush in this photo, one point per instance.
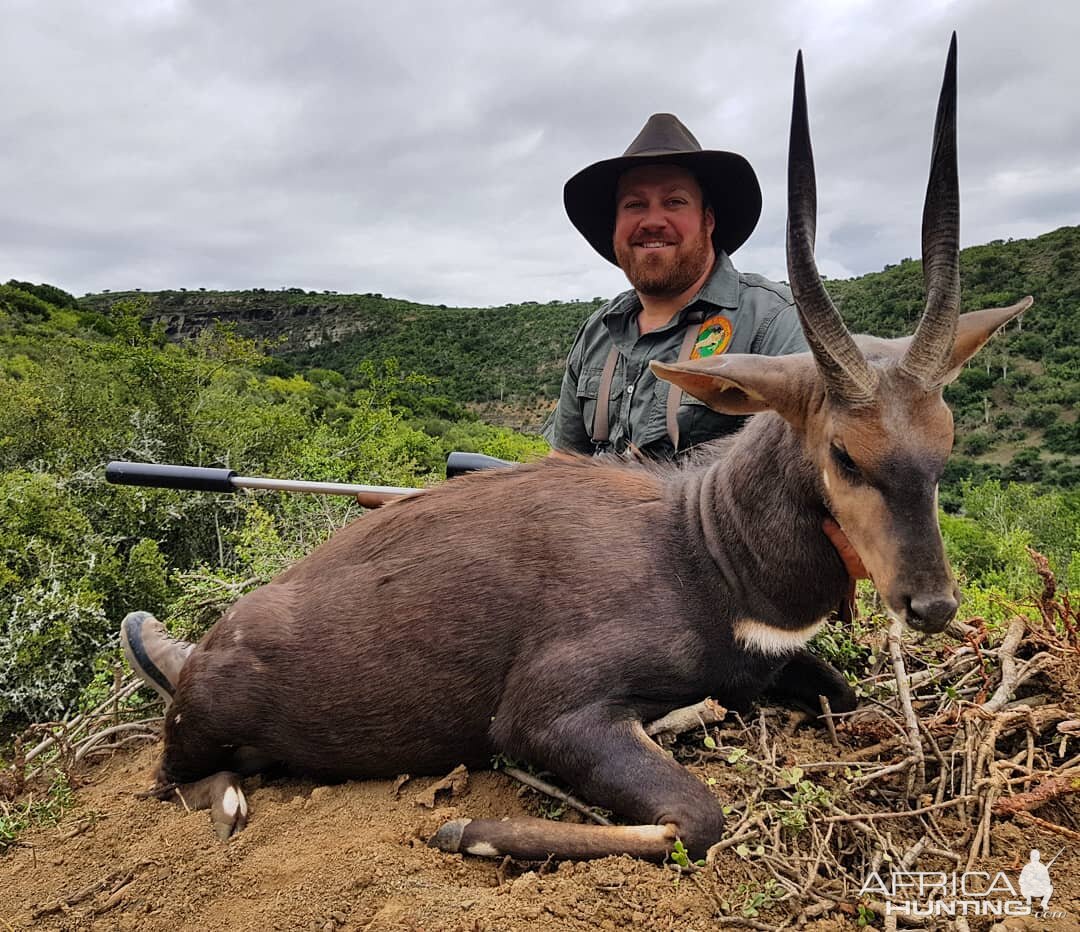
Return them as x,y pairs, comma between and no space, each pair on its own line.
49,636
1063,438
1041,416
977,443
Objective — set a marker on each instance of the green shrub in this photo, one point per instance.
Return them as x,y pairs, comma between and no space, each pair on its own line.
977,443
49,635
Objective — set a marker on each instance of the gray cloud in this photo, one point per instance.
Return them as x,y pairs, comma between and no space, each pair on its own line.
420,151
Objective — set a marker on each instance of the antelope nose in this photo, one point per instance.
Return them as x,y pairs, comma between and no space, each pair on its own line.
932,612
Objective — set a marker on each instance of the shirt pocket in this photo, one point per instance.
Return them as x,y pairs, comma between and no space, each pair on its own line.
587,391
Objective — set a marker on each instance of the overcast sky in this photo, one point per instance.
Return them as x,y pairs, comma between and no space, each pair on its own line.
419,149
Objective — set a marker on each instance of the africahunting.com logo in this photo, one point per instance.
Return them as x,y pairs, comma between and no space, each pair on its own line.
967,893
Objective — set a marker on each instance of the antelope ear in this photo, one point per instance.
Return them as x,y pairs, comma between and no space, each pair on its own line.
744,384
974,329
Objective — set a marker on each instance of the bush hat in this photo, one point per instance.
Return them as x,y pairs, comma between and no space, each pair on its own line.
727,180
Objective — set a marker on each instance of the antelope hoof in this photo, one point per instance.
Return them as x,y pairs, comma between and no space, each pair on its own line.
229,812
448,837
220,793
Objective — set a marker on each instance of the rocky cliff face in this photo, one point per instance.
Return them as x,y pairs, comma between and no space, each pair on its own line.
289,320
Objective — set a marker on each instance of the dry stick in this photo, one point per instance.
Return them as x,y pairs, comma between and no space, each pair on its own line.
100,749
62,904
789,886
976,842
708,894
741,923
1009,672
763,736
1030,758
119,892
748,816
1002,720
700,715
88,743
1047,790
943,765
812,876
876,816
1042,775
988,813
826,708
913,853
1005,723
813,911
555,793
76,723
1049,826
731,842
898,767
917,777
963,659
873,750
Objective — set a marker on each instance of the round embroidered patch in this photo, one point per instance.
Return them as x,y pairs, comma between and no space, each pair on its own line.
713,337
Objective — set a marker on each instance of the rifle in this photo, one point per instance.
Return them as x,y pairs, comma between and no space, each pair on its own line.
210,479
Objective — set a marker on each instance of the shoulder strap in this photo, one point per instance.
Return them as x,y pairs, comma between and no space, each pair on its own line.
600,432
674,398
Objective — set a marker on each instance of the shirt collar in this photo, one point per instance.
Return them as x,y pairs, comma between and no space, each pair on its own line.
721,289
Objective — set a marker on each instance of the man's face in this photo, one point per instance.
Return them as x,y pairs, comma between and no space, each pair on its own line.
662,230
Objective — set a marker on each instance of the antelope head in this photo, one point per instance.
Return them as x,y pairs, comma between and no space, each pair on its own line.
870,412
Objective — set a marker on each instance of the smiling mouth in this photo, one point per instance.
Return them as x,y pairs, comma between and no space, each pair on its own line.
653,244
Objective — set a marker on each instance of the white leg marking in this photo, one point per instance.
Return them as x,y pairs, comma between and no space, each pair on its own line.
230,802
483,849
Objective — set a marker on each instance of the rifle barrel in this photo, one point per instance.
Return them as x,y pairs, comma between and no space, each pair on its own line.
385,493
210,479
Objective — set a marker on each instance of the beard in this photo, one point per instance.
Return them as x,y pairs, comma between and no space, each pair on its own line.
665,276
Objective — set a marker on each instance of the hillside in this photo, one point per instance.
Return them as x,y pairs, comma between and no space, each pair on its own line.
83,382
1015,406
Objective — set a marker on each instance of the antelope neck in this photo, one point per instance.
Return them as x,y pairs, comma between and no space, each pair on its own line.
758,513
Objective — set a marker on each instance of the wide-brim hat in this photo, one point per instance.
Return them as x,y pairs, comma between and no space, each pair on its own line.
727,180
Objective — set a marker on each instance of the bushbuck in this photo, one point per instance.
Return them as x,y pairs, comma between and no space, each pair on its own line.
545,612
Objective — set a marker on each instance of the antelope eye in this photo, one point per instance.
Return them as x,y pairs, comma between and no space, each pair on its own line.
845,465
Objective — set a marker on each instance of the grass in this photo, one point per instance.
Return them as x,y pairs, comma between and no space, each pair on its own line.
36,811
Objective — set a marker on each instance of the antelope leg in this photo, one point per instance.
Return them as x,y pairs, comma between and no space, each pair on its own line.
805,677
611,763
220,793
535,839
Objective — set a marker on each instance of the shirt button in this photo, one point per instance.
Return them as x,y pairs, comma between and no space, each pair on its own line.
629,389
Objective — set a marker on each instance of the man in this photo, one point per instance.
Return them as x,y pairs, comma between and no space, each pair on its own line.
669,214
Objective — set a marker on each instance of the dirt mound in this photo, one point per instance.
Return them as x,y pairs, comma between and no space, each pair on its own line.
313,857
351,857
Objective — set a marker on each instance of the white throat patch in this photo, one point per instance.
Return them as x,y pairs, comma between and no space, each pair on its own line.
772,641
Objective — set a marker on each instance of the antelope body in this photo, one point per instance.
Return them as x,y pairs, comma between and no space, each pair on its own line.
545,612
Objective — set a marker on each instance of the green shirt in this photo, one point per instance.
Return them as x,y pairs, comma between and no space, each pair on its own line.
734,312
